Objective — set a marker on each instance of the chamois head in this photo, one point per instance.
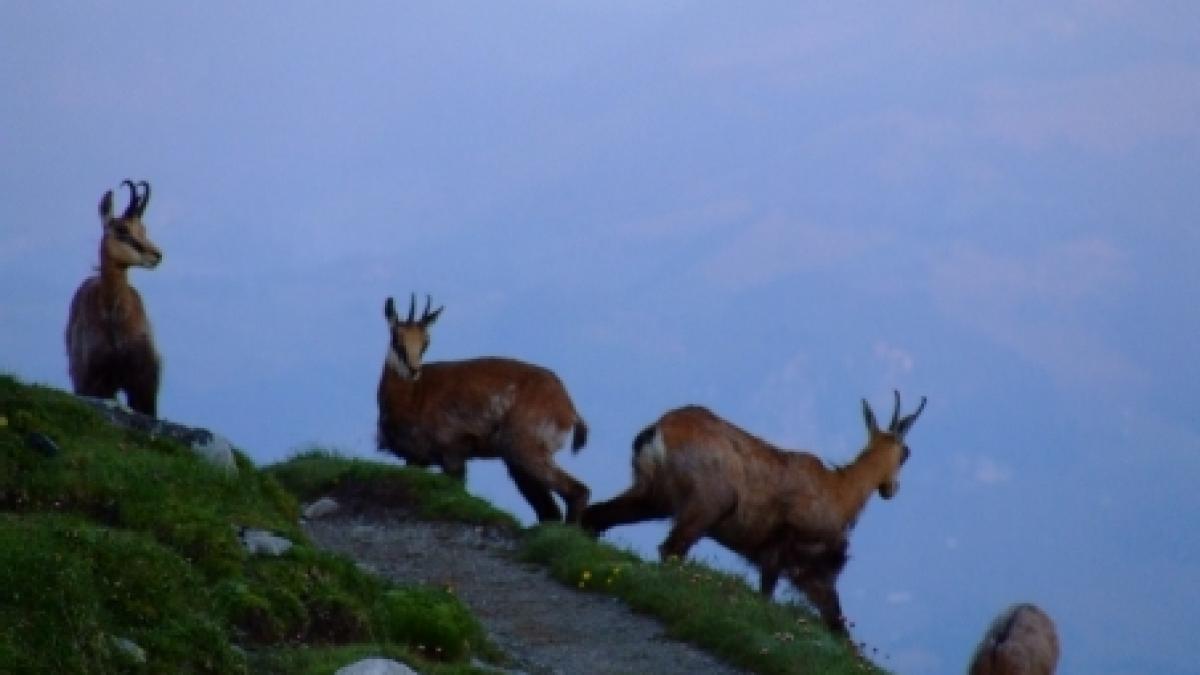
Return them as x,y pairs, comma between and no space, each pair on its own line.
410,337
125,243
891,442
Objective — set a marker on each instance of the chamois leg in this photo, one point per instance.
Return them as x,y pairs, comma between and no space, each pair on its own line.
543,469
142,395
534,492
702,508
94,384
141,380
817,577
454,466
768,575
632,506
821,590
690,524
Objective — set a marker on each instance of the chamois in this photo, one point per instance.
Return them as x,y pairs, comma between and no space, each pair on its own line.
1020,641
782,511
447,412
109,344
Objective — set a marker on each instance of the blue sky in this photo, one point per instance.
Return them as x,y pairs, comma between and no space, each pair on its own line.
773,211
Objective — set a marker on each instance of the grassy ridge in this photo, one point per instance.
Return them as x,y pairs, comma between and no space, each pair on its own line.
110,538
715,611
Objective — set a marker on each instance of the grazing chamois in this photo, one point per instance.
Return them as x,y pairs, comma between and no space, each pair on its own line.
109,344
782,511
1020,641
447,412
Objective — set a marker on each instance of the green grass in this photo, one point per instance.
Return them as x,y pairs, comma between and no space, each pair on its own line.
117,536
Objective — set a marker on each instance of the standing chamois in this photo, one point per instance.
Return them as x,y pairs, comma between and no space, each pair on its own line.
445,413
1021,641
109,344
782,511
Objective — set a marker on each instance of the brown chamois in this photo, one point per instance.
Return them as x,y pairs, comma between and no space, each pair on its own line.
782,511
1021,641
109,344
447,412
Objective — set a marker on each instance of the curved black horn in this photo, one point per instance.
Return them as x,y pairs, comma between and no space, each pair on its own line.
132,209
895,411
428,303
145,197
906,423
412,308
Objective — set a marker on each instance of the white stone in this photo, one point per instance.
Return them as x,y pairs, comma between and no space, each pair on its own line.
216,450
261,542
320,508
376,666
130,648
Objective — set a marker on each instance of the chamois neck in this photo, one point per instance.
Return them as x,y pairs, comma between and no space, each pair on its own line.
859,479
113,276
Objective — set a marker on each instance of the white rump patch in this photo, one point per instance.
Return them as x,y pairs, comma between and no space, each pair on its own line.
652,454
552,436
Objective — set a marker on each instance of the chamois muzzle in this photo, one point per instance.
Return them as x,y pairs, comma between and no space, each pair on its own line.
889,489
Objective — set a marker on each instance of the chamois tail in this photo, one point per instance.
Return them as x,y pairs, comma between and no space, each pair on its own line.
581,435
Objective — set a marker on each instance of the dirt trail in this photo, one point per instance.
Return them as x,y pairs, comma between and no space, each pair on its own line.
544,626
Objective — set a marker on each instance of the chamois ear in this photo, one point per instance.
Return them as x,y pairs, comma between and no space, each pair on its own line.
389,310
106,207
869,418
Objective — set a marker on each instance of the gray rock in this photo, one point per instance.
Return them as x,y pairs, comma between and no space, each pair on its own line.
320,508
261,542
376,666
212,447
130,649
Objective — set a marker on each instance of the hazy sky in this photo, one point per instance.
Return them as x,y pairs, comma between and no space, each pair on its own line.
773,210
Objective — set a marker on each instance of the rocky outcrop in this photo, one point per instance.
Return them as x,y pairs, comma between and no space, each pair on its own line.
212,447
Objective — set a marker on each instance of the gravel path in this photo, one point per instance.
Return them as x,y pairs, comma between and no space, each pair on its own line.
544,626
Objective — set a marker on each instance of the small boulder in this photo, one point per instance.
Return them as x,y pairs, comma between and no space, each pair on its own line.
320,508
261,542
212,447
130,648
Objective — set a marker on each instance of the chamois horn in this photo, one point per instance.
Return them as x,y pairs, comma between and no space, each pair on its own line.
145,197
132,209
